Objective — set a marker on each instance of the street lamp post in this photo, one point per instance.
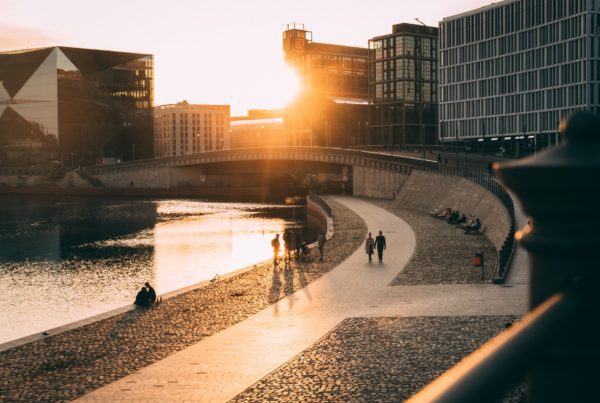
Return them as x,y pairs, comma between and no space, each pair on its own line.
483,152
422,142
456,146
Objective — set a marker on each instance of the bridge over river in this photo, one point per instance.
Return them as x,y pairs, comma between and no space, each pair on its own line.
366,173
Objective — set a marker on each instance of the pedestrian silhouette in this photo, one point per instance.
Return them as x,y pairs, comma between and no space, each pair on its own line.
276,246
380,245
369,246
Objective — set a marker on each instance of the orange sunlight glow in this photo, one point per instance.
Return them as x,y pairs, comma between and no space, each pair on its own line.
285,85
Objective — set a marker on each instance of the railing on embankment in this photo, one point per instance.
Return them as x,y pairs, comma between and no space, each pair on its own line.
555,346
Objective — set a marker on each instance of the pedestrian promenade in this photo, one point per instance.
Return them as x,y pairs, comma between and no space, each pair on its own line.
221,366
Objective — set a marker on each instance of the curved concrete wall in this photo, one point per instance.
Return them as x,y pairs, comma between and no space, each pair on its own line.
426,191
377,183
318,219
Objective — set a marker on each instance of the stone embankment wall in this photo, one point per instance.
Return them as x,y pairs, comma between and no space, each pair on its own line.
154,178
377,183
69,180
427,191
319,216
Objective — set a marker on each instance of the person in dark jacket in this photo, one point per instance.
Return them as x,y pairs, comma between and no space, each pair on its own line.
321,244
141,299
151,294
380,244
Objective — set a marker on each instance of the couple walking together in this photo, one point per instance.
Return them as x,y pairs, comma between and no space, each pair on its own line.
377,243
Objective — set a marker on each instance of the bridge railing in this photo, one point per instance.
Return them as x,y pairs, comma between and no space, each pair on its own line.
555,346
318,154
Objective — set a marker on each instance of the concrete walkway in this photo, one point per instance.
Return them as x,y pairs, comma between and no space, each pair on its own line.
220,367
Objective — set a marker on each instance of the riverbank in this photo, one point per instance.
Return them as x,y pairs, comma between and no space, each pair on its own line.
70,364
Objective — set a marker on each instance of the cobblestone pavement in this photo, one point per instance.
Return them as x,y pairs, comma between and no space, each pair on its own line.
377,360
67,365
444,253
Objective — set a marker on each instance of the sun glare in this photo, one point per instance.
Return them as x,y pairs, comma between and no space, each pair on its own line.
285,85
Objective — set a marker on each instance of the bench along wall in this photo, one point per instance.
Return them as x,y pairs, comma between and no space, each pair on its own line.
426,191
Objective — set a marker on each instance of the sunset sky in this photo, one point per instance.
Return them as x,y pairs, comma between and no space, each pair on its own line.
214,52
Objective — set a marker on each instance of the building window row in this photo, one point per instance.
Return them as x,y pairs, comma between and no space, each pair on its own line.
531,59
510,18
528,81
557,98
404,46
339,64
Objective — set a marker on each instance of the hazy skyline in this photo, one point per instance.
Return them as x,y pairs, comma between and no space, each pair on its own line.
225,52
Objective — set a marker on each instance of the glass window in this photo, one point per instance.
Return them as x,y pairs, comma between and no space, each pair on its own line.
378,71
426,43
409,46
399,45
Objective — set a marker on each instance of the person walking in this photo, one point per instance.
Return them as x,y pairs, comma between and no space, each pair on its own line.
369,246
321,244
380,244
276,246
287,245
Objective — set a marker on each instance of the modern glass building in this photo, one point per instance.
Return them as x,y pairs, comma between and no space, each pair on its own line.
403,79
331,109
75,105
509,72
185,128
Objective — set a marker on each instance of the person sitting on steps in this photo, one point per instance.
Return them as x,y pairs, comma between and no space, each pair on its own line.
475,227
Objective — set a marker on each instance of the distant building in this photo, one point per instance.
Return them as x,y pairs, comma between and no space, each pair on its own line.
403,86
332,107
260,128
510,71
75,105
185,128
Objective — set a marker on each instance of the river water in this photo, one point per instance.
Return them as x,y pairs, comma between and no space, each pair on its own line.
63,260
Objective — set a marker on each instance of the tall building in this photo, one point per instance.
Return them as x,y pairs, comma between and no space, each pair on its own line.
509,72
403,86
185,128
74,104
332,107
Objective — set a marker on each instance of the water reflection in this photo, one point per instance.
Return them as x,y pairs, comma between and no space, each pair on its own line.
63,260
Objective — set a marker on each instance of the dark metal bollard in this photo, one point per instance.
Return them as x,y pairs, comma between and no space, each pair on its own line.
560,191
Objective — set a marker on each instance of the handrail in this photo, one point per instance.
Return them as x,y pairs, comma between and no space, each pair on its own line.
501,362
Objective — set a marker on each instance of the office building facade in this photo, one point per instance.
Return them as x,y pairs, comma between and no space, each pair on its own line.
403,82
509,72
332,107
185,128
75,105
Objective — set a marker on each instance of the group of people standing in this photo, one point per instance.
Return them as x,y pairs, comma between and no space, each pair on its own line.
293,242
377,243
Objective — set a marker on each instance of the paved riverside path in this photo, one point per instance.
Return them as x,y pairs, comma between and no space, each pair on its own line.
223,365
